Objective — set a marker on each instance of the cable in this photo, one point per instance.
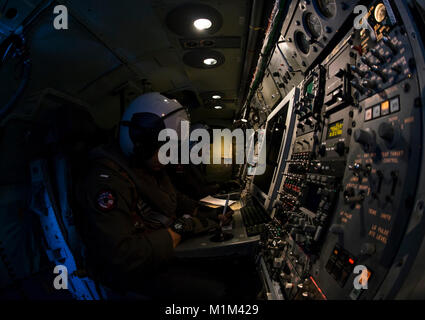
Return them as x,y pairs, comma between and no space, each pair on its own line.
15,47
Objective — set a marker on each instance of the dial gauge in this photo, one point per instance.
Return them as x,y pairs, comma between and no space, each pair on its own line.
302,43
380,13
327,7
313,25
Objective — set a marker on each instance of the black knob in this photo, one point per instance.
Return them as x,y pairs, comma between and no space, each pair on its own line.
340,148
276,74
387,132
365,137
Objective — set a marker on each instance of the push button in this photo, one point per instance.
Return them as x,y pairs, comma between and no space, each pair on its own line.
385,108
395,105
376,111
368,114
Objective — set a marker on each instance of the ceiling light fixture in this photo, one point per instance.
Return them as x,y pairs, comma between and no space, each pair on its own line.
216,97
218,107
202,24
210,61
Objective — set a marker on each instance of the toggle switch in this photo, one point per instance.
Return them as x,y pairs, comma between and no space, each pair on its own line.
380,73
378,56
391,45
358,71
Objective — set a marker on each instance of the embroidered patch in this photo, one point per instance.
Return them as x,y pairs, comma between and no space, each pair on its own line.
106,201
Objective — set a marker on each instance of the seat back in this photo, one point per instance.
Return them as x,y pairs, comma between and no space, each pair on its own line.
63,245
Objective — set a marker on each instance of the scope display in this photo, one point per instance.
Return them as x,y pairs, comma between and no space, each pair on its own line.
309,87
335,129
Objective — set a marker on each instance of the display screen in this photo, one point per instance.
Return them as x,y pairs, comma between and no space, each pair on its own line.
309,87
335,129
274,137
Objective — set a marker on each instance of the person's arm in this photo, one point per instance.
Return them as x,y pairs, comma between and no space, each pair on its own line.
113,235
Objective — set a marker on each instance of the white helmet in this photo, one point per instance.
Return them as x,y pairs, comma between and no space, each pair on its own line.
144,118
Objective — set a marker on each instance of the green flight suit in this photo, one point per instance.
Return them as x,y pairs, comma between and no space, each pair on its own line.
125,243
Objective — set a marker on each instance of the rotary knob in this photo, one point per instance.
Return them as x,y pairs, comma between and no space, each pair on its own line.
366,138
322,150
388,133
340,148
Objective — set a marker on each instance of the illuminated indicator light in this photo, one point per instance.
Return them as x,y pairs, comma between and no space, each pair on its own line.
351,261
336,252
318,289
210,61
202,24
385,108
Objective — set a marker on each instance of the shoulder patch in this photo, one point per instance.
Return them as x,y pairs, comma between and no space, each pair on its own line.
106,200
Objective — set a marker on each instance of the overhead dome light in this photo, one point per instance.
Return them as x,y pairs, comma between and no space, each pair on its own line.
204,59
202,24
218,107
216,97
210,61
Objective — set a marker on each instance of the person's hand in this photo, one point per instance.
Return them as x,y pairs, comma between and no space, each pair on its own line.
216,214
227,218
175,237
184,226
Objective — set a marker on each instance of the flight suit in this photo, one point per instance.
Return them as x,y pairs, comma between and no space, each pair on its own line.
123,219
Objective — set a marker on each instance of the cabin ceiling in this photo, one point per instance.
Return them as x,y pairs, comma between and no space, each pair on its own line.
116,50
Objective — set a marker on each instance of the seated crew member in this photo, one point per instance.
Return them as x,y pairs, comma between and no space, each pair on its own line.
131,216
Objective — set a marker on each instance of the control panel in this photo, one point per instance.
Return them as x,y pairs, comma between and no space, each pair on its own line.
345,205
